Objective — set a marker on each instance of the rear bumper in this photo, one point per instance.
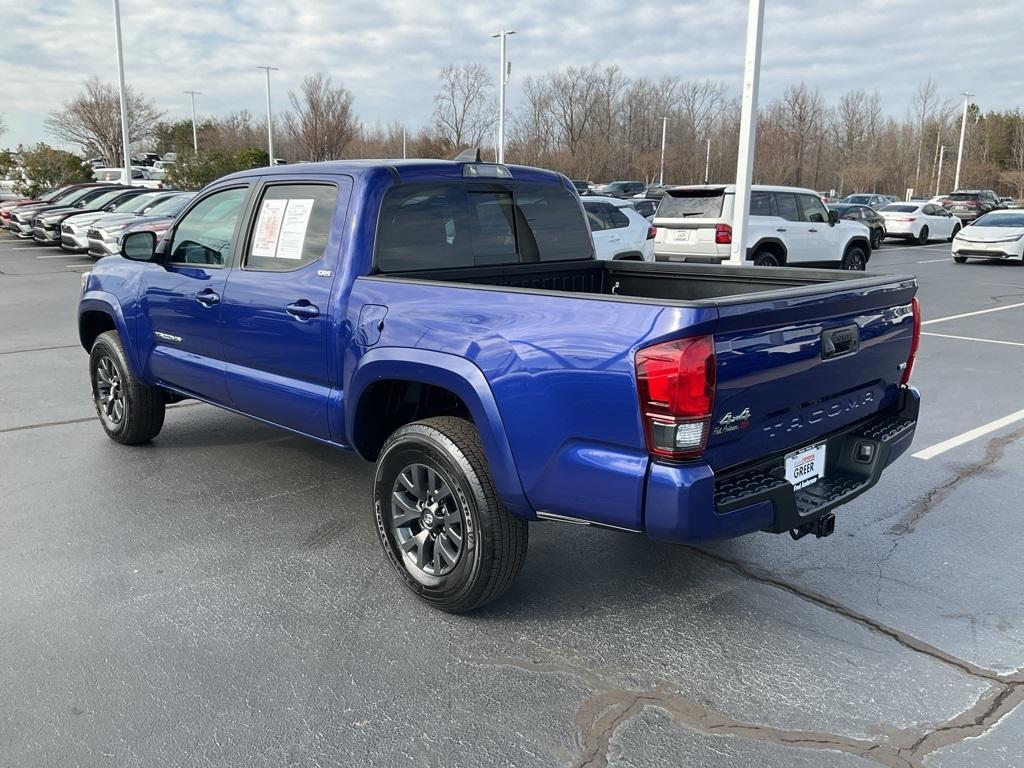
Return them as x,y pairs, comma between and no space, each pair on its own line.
690,503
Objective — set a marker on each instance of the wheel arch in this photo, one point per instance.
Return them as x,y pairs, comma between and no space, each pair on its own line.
769,243
449,380
100,312
863,242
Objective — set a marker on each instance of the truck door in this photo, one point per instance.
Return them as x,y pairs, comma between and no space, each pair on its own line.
179,326
276,311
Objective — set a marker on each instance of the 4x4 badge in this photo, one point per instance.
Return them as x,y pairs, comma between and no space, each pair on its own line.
731,422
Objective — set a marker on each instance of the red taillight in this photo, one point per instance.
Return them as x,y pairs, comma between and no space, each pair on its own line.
972,204
652,232
915,340
676,383
723,234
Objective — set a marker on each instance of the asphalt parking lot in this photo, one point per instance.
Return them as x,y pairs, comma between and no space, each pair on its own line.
219,597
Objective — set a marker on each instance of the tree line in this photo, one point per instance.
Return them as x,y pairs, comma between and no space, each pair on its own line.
593,122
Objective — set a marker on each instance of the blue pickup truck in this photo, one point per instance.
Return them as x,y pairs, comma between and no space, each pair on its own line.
449,322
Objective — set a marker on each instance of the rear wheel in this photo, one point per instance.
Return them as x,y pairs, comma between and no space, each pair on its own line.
922,238
876,238
855,258
956,231
130,411
767,258
439,518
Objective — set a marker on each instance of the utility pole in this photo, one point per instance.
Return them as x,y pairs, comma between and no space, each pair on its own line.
503,73
403,142
938,177
664,130
748,132
195,140
123,91
707,164
270,117
963,132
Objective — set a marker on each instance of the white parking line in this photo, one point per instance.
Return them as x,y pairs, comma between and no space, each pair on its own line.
972,338
19,248
933,451
58,256
972,314
75,266
890,249
932,261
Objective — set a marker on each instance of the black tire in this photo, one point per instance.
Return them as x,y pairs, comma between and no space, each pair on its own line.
960,259
855,259
922,239
767,258
876,239
956,231
492,541
133,412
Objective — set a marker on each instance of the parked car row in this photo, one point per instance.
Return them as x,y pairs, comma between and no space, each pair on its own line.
91,217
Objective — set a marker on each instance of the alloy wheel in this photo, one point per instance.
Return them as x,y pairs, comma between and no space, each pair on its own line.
110,392
426,520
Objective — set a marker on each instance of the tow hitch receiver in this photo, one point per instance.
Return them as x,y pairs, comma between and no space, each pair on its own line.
822,527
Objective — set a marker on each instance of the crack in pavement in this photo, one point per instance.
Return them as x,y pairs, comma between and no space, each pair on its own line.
82,420
610,706
994,452
39,349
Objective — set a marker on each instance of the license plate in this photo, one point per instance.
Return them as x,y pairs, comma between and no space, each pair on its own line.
681,236
805,466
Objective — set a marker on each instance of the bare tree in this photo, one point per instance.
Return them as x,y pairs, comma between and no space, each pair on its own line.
802,120
92,120
323,123
925,101
464,108
1014,176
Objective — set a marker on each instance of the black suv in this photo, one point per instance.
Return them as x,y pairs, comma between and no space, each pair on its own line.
969,204
623,189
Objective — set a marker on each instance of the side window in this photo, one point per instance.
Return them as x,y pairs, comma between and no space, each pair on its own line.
760,204
787,207
814,211
854,214
595,219
293,222
928,210
204,235
616,218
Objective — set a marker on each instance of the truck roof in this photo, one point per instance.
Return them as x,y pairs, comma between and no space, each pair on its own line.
401,170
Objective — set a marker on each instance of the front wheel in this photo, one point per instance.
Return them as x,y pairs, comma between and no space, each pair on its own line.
922,238
956,231
855,259
439,518
130,411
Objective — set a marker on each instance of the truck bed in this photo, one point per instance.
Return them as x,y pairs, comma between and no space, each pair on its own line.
658,283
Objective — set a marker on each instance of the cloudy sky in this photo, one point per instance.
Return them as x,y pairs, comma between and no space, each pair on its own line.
389,52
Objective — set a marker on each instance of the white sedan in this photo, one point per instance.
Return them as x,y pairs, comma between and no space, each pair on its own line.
996,235
919,222
620,233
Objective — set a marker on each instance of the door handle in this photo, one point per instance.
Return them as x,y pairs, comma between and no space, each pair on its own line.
781,229
303,309
208,296
812,229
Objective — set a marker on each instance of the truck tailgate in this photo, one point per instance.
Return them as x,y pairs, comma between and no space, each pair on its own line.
791,370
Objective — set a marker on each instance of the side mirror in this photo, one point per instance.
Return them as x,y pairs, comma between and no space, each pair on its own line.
139,246
833,218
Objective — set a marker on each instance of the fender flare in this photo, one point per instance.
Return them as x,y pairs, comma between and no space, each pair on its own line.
864,242
460,376
107,303
765,241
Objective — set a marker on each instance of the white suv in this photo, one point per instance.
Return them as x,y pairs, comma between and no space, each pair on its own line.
788,225
619,231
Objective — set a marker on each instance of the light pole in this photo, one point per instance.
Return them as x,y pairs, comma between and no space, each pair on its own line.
502,82
270,119
963,132
938,176
403,142
664,128
707,163
748,132
123,91
195,140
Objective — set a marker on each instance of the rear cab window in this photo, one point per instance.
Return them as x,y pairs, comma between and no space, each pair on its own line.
443,225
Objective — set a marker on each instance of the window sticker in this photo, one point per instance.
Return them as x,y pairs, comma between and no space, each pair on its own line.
268,228
293,228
